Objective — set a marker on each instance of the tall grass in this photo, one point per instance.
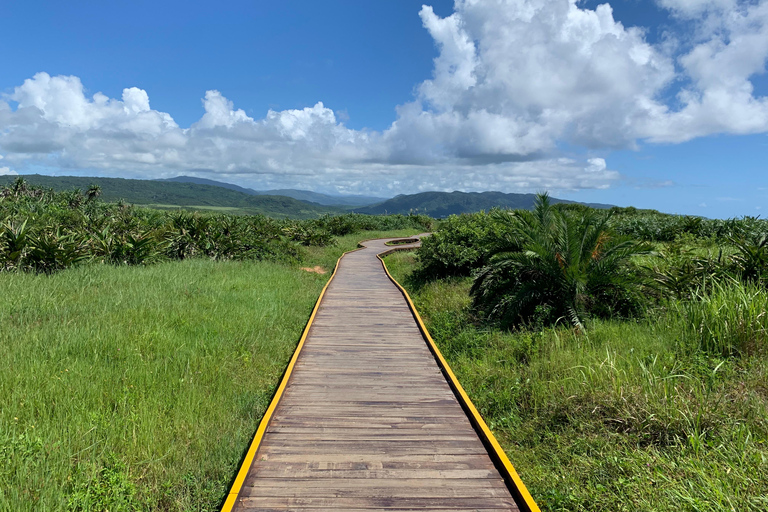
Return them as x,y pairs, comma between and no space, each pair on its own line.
619,419
139,388
728,318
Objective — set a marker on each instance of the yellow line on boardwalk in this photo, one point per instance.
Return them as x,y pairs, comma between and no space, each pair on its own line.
248,461
509,473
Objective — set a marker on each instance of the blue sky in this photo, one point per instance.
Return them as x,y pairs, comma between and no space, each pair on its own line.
517,95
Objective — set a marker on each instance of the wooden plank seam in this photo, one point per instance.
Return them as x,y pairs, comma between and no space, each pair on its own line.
508,472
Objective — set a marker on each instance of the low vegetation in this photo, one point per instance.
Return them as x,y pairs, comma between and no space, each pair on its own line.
139,388
657,407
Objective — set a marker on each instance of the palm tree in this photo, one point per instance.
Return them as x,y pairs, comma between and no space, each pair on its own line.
551,265
93,192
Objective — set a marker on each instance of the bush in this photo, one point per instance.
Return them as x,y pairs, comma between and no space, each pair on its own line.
652,226
751,259
554,265
462,245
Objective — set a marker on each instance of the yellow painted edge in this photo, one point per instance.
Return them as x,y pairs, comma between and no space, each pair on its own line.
486,432
246,466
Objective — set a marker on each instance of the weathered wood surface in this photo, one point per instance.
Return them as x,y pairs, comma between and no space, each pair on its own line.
367,420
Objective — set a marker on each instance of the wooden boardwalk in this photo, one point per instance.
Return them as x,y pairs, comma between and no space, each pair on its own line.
367,420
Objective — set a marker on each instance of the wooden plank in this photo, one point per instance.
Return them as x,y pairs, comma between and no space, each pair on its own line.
379,502
293,462
375,474
398,488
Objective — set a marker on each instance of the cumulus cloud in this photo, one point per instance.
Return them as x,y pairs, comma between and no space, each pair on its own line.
729,46
513,79
6,171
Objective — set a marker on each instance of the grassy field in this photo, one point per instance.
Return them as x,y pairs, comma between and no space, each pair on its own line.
629,417
140,388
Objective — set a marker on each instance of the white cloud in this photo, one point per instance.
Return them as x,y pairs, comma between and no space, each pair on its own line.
514,77
728,47
692,8
219,111
512,80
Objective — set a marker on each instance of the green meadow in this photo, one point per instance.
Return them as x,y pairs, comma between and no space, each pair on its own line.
140,388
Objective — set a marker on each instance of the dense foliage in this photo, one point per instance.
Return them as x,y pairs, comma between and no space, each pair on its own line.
571,262
652,226
552,265
45,231
463,243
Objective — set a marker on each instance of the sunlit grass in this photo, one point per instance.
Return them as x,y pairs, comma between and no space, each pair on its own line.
155,376
626,418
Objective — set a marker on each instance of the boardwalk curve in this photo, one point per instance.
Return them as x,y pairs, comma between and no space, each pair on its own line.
369,416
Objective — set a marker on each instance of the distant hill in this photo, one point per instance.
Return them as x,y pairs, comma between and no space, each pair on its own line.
171,194
325,199
213,183
301,195
442,204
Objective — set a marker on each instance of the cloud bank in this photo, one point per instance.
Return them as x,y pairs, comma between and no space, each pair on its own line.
514,80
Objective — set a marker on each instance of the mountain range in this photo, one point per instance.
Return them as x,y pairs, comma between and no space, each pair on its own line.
301,195
442,204
193,196
209,195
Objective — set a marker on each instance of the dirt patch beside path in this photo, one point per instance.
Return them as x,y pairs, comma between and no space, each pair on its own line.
317,270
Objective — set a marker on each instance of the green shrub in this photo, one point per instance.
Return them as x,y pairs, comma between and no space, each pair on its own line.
461,245
554,265
652,226
341,225
751,259
681,276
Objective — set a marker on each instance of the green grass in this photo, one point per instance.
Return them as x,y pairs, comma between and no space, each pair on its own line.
140,388
727,319
626,418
